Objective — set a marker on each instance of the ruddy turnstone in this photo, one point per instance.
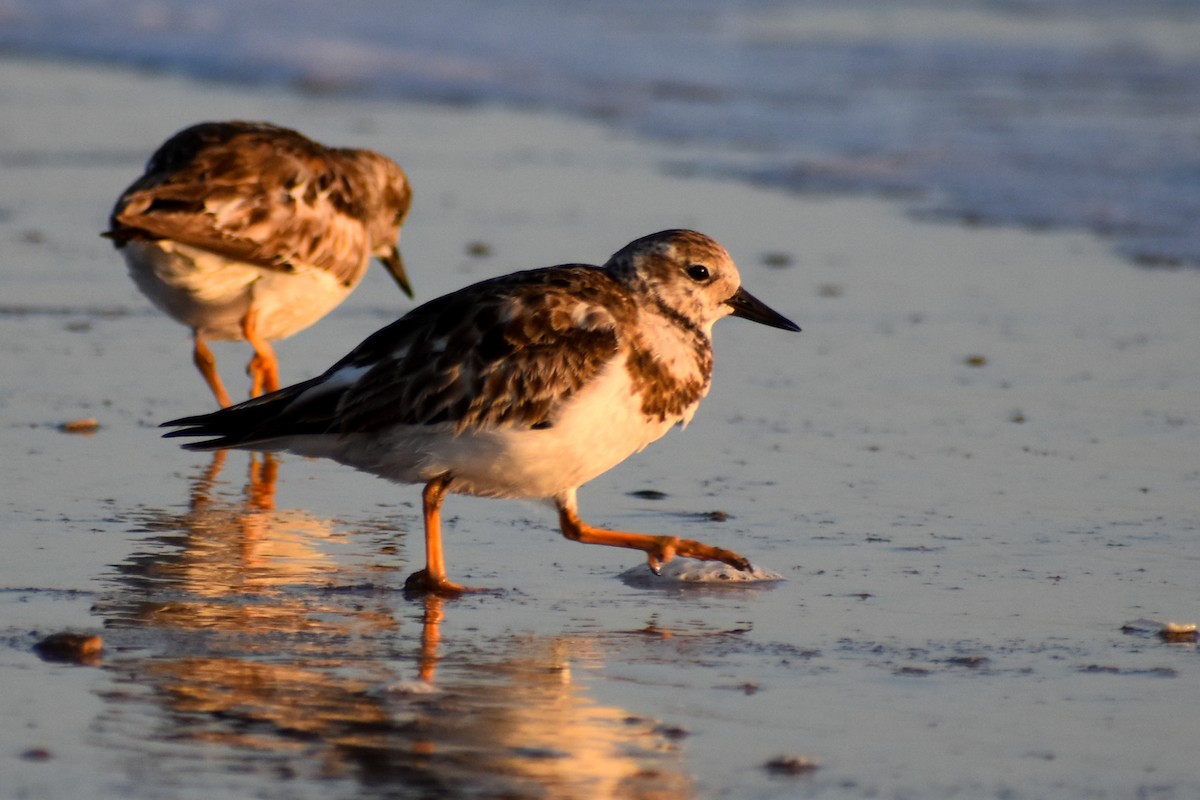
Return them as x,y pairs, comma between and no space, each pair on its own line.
245,230
525,386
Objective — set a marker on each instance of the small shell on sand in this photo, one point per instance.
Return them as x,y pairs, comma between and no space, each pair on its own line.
1167,631
1178,632
688,571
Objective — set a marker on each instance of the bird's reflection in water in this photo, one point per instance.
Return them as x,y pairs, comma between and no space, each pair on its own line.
257,644
237,563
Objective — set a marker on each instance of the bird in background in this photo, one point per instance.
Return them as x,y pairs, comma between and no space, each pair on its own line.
523,386
249,231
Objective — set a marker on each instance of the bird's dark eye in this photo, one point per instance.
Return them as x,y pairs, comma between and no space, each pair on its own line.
697,272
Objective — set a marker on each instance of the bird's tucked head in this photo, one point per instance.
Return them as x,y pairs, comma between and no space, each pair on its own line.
388,196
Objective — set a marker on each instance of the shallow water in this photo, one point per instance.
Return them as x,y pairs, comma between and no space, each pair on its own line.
975,465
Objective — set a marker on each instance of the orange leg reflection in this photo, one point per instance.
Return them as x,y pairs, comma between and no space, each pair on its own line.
431,623
202,489
260,483
430,636
260,488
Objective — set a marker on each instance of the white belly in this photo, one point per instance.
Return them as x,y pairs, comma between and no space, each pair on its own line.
601,427
212,294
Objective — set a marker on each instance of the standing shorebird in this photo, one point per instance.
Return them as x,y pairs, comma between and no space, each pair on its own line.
525,386
245,230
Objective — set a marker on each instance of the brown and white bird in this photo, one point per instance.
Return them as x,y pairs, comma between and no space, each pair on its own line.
245,230
524,386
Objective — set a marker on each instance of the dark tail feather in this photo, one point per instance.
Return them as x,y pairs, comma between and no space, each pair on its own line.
259,420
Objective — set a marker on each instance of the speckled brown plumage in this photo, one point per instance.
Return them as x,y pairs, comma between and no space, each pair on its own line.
664,395
506,352
268,196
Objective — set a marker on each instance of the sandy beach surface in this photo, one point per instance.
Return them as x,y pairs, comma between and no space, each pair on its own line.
978,469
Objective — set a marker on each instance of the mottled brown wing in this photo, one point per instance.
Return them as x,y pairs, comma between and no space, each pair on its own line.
250,192
505,352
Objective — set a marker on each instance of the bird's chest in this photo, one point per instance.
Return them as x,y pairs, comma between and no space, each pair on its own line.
635,400
669,372
598,428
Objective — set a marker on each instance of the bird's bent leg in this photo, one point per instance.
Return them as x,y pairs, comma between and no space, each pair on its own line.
658,549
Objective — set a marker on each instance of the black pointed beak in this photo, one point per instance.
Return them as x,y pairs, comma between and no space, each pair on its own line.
747,306
395,268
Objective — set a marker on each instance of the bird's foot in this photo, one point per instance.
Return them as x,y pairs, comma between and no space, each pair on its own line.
421,584
667,547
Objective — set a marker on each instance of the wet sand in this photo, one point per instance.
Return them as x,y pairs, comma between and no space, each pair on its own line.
976,464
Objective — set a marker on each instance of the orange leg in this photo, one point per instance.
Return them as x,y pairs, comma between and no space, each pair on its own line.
432,579
264,367
658,549
207,364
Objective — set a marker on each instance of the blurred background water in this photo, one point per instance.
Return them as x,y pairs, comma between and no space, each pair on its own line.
1044,113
